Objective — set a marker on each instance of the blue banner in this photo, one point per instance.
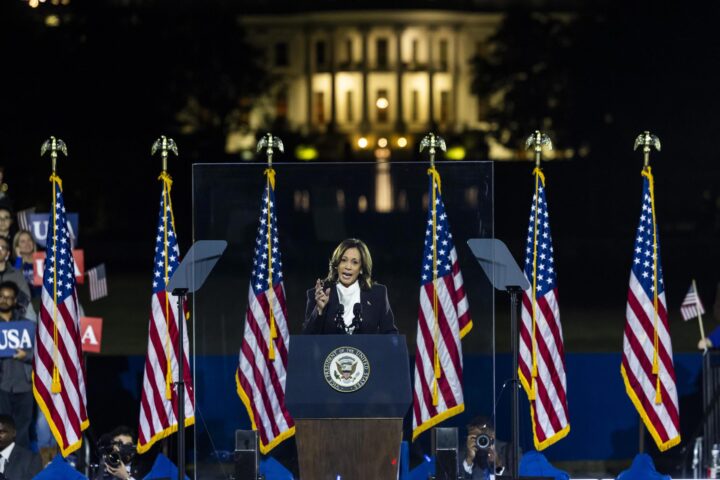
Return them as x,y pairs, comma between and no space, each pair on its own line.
39,224
16,335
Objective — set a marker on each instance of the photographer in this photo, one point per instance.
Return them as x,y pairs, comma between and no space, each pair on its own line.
117,454
485,456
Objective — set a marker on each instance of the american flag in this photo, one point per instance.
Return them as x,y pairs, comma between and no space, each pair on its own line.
541,362
691,305
23,217
262,371
158,405
58,370
647,363
98,282
443,319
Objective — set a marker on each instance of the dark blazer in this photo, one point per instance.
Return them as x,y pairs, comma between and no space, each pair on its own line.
23,464
376,314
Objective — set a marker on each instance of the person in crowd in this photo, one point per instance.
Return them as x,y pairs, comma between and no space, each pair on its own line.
23,248
16,398
347,301
9,273
713,339
6,220
484,456
118,456
16,461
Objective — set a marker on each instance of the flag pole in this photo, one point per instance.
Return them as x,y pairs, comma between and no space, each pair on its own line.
54,145
648,141
699,316
434,142
269,142
166,145
537,141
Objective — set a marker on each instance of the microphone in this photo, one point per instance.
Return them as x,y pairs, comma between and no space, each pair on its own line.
339,317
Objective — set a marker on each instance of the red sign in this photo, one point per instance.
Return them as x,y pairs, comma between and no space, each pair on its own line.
91,334
39,266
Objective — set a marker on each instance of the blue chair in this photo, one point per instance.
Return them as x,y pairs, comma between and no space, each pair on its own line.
642,468
59,469
534,464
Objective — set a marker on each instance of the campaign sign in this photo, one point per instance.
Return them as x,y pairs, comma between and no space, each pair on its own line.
39,267
16,335
40,224
91,334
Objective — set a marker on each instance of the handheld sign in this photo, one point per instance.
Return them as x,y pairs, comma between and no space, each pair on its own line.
16,335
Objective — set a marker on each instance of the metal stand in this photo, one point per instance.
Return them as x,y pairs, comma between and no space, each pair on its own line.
515,302
505,275
188,278
180,294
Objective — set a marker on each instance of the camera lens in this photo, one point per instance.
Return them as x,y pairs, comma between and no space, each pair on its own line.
112,459
483,441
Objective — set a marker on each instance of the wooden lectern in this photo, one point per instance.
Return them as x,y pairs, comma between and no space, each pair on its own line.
348,395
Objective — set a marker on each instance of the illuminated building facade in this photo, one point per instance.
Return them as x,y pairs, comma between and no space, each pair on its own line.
370,74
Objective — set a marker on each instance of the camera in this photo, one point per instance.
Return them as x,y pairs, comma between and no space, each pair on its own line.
116,453
483,441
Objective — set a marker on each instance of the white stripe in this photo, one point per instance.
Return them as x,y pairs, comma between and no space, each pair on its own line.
647,384
647,305
259,362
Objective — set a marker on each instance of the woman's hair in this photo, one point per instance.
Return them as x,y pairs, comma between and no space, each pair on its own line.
365,277
16,241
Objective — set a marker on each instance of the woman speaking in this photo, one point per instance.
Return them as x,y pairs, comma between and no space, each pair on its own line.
347,301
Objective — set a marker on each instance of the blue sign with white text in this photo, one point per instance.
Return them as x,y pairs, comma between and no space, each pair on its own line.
16,335
40,224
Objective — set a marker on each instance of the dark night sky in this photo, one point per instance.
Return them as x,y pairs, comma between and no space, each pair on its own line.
108,88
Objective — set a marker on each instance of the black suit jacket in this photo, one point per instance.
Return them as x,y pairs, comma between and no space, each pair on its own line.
376,314
23,464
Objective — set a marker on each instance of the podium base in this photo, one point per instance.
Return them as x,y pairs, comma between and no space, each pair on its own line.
351,448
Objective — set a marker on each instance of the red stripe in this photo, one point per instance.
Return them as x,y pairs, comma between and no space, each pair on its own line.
646,404
646,370
646,366
424,333
159,353
279,391
430,409
448,337
648,325
257,387
545,352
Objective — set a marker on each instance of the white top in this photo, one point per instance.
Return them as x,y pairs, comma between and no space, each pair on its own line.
5,454
348,296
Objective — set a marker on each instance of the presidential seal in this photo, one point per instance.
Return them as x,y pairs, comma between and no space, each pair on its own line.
346,369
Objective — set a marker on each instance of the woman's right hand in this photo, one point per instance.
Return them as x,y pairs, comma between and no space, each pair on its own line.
321,296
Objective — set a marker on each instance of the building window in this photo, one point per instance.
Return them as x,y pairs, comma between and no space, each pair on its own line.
350,114
281,54
444,106
320,54
414,106
349,50
414,51
382,105
319,108
443,54
281,104
382,52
